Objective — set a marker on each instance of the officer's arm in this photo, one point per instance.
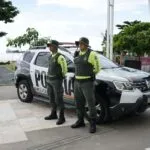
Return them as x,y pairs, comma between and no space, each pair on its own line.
94,60
63,64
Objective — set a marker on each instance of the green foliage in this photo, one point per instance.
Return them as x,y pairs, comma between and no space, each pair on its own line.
134,37
8,65
2,34
127,24
7,13
40,42
104,42
104,38
31,37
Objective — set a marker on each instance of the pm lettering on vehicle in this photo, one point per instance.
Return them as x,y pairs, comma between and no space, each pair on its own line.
43,79
37,77
40,77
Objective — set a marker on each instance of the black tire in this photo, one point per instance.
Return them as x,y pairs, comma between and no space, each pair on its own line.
142,108
26,94
103,114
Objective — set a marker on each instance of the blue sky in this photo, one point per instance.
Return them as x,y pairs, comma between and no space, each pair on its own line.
68,20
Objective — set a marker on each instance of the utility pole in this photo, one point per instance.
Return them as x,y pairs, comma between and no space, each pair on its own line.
108,29
110,26
149,6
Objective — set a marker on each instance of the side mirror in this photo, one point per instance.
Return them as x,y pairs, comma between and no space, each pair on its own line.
77,43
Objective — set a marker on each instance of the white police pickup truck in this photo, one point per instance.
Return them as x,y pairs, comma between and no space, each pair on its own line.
118,90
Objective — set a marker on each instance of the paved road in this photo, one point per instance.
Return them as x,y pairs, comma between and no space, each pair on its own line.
8,92
25,123
6,76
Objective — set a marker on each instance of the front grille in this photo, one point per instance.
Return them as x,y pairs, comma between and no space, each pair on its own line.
141,85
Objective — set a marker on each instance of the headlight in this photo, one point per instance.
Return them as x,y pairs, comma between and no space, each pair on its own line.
123,85
148,84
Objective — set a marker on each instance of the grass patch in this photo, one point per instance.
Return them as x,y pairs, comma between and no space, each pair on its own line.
10,67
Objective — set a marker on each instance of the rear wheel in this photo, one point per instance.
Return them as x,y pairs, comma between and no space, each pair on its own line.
24,91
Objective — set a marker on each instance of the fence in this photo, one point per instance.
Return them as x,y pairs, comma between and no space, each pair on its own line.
145,64
142,64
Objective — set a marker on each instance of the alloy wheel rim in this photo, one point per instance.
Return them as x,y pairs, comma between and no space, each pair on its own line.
98,110
23,92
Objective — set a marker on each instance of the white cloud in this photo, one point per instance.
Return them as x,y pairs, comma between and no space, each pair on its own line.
63,30
94,5
90,20
70,3
125,5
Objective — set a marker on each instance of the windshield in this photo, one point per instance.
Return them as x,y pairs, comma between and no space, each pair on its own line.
70,50
106,63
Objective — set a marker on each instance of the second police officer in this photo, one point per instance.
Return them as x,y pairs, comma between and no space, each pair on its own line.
86,67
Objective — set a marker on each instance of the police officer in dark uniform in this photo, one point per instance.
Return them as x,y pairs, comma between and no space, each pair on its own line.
56,72
86,66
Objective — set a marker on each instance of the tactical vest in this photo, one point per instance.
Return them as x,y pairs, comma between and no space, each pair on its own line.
54,69
82,66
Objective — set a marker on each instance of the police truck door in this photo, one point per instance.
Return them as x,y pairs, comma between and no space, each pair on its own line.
39,71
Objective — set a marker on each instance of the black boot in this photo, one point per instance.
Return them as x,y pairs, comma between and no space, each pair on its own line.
92,126
79,123
61,118
52,116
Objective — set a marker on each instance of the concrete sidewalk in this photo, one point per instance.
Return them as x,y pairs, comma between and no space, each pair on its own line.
56,138
8,92
22,126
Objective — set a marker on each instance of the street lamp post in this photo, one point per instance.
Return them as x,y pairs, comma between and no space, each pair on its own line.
111,28
108,29
110,24
149,5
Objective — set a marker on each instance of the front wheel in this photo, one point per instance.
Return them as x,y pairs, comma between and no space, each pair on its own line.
102,108
24,91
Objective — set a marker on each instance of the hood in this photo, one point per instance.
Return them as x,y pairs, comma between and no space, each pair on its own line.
122,74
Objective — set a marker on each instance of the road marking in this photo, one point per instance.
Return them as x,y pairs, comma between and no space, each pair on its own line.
147,148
